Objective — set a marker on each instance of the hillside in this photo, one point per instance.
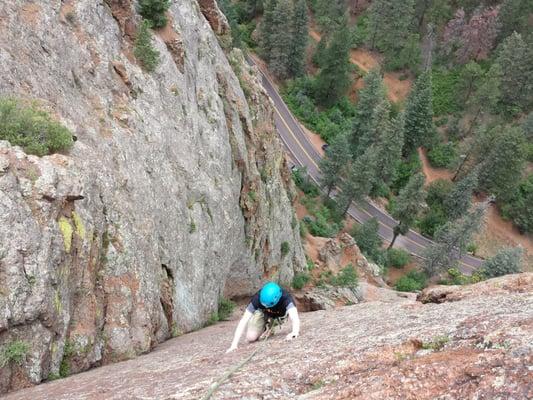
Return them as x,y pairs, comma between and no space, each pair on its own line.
476,343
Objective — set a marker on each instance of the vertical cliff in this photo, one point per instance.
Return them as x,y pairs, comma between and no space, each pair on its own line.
175,194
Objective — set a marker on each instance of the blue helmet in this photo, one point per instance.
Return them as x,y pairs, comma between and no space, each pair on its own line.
270,294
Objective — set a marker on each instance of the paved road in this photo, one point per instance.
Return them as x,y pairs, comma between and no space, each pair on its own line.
304,153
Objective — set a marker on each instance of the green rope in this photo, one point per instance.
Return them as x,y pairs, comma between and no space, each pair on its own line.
234,369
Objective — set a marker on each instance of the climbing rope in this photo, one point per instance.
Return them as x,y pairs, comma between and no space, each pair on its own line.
237,367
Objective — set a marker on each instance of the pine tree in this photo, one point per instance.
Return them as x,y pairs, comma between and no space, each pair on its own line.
329,14
268,28
503,165
380,124
154,11
372,94
515,59
278,60
470,79
459,199
419,114
514,17
506,261
452,240
335,162
334,77
409,203
147,55
389,149
358,182
390,24
299,39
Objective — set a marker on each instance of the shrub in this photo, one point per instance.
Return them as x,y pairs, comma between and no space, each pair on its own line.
432,221
144,51
413,281
225,309
285,247
443,155
397,258
360,31
367,238
406,169
154,11
519,208
506,261
304,183
438,191
32,129
347,277
14,352
445,91
300,280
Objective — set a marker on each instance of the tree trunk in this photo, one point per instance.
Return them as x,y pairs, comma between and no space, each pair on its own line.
393,239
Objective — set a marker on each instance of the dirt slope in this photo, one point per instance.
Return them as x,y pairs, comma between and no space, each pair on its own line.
481,349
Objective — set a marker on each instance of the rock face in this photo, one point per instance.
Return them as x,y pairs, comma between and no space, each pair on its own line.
479,347
175,193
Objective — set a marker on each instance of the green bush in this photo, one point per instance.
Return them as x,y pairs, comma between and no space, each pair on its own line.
304,183
14,352
154,11
413,281
519,208
31,128
438,191
506,261
397,258
406,169
144,51
360,31
367,238
225,309
443,155
300,280
347,277
432,220
285,247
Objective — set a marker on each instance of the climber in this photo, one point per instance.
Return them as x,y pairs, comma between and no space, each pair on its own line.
269,304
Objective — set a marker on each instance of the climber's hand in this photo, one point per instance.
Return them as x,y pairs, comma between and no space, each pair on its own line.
232,348
291,336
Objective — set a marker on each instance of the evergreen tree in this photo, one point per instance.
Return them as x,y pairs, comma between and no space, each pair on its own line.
459,199
372,94
268,28
506,261
515,58
278,61
359,180
452,240
389,149
390,24
329,13
513,17
335,162
408,205
299,39
503,165
419,114
334,77
520,206
154,11
367,238
470,79
380,124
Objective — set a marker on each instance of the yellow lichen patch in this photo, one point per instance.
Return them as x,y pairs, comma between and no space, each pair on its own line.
57,302
78,223
66,230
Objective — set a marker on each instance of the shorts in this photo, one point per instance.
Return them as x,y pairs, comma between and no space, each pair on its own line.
260,322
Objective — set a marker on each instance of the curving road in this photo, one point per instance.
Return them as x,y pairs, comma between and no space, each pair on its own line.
304,153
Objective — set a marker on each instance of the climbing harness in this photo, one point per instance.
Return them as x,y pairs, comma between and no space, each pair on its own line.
271,325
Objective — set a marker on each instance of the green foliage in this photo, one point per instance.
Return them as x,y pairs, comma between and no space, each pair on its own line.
333,164
225,309
443,155
506,261
456,277
360,31
285,248
405,170
300,280
14,352
430,223
347,277
411,282
31,128
367,238
436,344
458,201
322,225
397,258
299,39
445,85
154,11
304,183
144,51
519,208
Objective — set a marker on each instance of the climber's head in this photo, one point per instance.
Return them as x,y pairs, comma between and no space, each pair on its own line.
270,294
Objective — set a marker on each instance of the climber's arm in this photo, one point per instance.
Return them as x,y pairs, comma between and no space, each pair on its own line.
240,330
295,322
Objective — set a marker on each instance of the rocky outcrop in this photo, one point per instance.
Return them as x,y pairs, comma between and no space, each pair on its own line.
475,348
175,193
